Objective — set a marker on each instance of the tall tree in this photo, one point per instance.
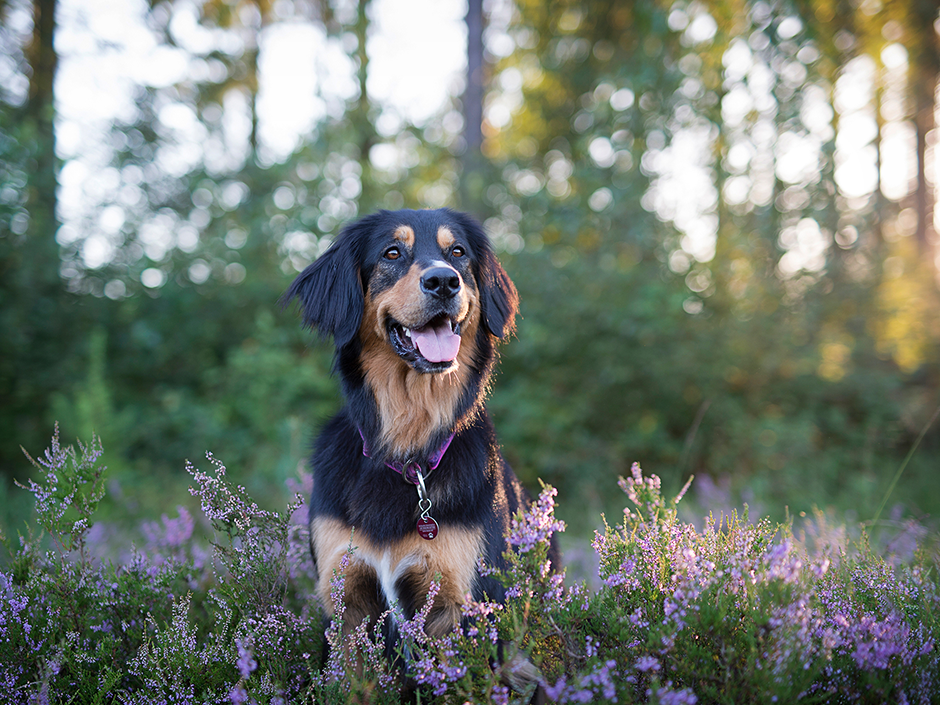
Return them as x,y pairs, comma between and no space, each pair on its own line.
38,317
471,183
363,117
40,114
923,44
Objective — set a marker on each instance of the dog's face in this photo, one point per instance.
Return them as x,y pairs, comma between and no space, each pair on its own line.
421,296
419,283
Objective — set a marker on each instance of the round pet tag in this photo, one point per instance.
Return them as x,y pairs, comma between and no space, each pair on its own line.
428,528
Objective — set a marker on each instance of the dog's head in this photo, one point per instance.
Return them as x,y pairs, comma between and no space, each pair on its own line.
419,282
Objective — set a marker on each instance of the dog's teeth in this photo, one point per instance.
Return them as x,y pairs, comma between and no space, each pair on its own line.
408,333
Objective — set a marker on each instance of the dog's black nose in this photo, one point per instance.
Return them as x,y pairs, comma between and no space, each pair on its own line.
440,282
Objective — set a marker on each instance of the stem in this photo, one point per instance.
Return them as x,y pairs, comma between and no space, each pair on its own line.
897,475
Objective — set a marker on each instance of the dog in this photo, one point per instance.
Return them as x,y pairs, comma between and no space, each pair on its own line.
410,468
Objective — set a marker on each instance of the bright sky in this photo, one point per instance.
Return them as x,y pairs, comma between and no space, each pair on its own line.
684,191
417,52
417,57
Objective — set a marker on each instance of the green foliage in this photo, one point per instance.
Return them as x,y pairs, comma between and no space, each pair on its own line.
662,317
662,320
69,492
167,622
732,612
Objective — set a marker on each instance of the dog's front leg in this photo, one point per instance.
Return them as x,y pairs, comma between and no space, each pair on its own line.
450,560
360,601
361,596
445,611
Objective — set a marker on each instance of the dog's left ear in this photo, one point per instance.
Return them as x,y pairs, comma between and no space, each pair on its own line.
330,289
499,301
498,297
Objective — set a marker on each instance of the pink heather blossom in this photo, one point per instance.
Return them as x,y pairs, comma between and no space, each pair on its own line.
537,524
640,490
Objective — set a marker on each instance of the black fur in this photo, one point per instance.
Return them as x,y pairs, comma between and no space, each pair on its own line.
473,487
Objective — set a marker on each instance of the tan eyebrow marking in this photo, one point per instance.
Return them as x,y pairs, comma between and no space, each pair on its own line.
445,238
405,235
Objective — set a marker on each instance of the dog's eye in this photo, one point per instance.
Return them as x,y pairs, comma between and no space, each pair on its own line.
392,253
458,251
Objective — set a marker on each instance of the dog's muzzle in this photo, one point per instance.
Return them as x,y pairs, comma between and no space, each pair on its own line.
433,344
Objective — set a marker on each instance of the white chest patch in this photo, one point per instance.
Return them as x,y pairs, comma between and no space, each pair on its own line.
389,569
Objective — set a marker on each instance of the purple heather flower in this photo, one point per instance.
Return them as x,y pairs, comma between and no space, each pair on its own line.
600,682
647,663
668,696
246,663
174,533
501,695
414,628
479,614
625,575
338,585
553,692
537,524
820,567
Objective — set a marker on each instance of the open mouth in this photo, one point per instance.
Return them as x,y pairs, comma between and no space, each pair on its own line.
431,348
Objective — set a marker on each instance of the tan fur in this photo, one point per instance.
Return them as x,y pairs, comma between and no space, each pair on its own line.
452,555
445,238
411,405
405,235
403,302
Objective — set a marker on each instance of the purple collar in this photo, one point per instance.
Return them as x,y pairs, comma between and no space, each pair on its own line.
409,471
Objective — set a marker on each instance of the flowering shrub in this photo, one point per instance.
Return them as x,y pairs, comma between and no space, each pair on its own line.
172,623
733,612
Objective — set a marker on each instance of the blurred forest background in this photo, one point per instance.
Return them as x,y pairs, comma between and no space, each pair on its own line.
720,216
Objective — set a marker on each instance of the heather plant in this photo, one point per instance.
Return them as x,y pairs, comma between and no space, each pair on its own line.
735,611
68,492
168,622
738,611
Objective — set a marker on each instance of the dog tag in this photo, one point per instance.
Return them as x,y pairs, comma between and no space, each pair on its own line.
428,528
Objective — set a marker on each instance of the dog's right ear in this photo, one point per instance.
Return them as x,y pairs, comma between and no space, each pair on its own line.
330,291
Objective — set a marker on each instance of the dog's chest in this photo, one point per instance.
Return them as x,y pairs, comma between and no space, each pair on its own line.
411,561
391,566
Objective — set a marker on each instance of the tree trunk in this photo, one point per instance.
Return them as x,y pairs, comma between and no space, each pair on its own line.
924,51
923,201
40,115
39,324
471,183
361,116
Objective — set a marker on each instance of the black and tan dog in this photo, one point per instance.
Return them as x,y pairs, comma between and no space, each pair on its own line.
415,302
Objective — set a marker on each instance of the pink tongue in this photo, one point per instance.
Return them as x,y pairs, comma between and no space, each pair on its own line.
436,343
